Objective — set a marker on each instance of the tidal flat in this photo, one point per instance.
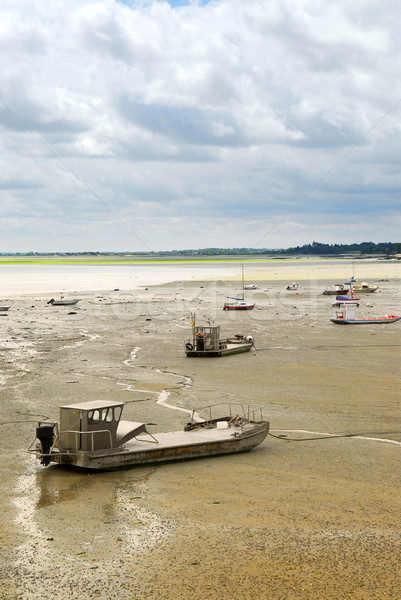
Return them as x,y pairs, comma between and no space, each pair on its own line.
313,512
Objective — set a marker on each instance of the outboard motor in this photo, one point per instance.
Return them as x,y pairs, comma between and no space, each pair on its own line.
45,435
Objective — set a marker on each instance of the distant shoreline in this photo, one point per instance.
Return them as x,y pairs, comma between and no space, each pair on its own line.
131,259
129,276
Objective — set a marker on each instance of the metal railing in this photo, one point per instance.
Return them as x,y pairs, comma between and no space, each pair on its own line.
78,440
235,412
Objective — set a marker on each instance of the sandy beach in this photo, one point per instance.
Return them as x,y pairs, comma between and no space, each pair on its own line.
313,512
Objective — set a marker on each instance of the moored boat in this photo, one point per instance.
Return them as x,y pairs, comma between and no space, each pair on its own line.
92,435
4,308
250,286
364,288
63,301
238,304
293,287
206,342
345,315
347,301
338,288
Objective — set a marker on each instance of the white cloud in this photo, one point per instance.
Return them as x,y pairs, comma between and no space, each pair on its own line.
217,116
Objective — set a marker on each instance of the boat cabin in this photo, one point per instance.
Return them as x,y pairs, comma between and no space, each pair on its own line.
345,311
206,338
95,425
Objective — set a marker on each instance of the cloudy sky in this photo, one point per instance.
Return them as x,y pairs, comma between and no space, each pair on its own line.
154,125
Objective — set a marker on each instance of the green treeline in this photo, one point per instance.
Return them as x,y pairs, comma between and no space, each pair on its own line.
315,248
388,248
382,248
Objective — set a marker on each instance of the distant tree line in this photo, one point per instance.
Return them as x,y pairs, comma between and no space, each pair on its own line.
382,248
388,248
317,248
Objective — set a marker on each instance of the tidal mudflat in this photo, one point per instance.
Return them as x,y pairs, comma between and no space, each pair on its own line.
311,513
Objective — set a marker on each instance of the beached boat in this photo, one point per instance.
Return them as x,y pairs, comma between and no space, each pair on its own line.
364,288
347,302
63,302
338,288
250,286
4,308
93,436
345,315
206,342
239,303
294,287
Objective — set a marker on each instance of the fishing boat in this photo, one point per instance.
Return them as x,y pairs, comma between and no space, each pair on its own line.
293,287
92,435
63,301
364,288
239,303
206,342
339,288
345,315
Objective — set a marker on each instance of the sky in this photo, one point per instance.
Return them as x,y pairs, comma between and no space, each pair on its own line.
144,125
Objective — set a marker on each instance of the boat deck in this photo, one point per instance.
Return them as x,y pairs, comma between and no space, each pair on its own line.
203,435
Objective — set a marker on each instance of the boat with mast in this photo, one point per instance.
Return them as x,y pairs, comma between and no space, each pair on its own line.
239,303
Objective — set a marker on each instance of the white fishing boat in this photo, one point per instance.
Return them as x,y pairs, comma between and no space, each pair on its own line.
206,341
92,435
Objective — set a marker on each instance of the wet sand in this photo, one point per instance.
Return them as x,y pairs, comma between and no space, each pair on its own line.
303,516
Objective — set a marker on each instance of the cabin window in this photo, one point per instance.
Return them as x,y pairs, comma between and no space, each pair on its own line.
107,415
117,413
93,417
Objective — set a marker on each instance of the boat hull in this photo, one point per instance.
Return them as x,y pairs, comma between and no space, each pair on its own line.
177,445
65,302
228,350
367,321
334,292
233,307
